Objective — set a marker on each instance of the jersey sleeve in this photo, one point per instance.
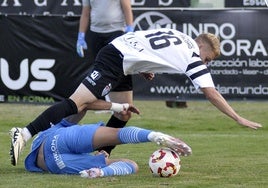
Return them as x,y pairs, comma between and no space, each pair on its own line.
199,74
203,81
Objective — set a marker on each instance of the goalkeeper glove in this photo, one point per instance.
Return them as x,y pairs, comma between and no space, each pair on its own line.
129,28
81,44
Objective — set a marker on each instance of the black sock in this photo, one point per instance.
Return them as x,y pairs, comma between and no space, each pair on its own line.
116,123
53,114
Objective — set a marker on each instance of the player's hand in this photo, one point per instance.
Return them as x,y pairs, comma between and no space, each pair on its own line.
102,152
247,123
124,108
133,109
129,28
81,44
147,76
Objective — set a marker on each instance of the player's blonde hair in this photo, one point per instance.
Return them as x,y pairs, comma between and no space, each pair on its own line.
212,40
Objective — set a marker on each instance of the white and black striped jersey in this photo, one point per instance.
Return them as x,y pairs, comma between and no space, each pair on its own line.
163,51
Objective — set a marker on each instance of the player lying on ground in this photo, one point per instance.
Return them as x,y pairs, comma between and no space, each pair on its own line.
141,52
18,140
64,149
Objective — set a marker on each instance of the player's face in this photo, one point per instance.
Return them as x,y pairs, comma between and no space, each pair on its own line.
206,53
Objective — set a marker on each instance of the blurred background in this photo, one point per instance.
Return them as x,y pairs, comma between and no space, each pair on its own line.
39,63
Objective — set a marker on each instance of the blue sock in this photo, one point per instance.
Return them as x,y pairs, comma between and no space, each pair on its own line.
128,135
118,169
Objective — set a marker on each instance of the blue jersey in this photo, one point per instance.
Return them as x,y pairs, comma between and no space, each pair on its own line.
67,149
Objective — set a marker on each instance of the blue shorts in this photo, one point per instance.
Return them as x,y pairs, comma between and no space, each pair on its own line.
66,151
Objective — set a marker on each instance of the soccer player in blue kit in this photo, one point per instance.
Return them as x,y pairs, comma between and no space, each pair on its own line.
141,52
65,149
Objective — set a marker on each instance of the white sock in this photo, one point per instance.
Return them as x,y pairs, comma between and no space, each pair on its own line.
26,134
151,136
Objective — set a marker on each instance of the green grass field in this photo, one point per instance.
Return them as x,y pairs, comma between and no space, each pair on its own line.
224,153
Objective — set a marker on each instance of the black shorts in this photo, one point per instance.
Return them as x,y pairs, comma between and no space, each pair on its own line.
106,73
98,40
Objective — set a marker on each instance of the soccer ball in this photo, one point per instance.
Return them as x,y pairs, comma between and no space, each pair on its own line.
164,162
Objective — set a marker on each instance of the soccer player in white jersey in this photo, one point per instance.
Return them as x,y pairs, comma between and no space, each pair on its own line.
101,21
140,52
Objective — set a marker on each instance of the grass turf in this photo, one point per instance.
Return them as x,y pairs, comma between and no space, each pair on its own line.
224,153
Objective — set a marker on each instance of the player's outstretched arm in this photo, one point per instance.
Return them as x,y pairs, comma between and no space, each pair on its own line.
251,124
122,108
217,100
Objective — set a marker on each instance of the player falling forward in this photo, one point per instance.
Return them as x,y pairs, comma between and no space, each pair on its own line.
141,52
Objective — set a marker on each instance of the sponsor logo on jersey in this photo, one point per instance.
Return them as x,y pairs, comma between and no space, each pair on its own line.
187,40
